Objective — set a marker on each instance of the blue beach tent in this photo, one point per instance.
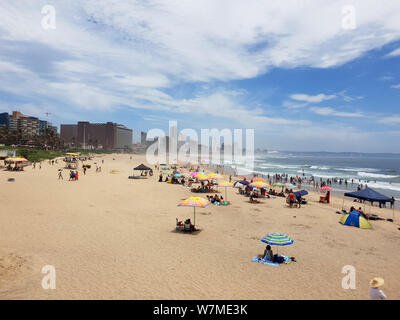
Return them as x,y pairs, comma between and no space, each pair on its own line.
368,194
355,219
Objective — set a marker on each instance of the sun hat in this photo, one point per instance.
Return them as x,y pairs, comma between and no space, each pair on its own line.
376,282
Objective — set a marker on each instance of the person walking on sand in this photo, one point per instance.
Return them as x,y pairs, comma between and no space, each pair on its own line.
60,175
84,171
374,292
76,175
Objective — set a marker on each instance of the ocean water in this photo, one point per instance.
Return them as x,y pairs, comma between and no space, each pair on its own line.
379,171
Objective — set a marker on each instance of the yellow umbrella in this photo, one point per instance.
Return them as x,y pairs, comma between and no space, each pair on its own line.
195,202
202,177
15,160
73,154
215,176
258,179
225,184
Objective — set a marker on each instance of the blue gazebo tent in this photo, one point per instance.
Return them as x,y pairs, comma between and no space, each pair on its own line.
368,194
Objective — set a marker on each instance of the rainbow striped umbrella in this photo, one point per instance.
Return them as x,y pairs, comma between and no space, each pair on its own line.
193,174
202,177
195,202
259,184
254,179
277,239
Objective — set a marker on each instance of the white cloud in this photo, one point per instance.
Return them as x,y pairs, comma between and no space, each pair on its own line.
326,111
396,86
386,78
134,54
394,53
393,120
312,99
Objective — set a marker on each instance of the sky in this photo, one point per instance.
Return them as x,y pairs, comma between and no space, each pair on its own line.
306,75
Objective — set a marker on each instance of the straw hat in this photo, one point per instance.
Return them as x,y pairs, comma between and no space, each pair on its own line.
376,282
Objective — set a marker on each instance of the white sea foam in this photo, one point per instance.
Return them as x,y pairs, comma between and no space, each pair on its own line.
376,175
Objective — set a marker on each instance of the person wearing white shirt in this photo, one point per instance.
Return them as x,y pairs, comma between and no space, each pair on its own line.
375,292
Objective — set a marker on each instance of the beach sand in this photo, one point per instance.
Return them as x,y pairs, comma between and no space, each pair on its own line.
110,237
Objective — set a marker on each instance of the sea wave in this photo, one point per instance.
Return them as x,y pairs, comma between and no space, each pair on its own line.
376,175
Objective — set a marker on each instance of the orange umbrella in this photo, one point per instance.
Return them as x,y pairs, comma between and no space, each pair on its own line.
194,202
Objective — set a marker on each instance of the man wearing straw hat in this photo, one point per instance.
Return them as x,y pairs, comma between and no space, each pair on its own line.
374,292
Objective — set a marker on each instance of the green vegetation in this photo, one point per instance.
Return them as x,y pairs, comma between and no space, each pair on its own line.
36,154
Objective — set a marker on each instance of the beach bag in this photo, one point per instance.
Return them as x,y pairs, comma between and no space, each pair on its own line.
278,259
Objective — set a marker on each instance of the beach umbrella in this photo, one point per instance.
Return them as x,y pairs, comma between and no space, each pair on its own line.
202,177
326,188
277,239
301,193
15,160
278,184
195,202
178,175
225,184
291,186
215,176
259,184
258,179
193,174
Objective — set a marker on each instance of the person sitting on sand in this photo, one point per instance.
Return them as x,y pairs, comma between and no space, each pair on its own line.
291,199
268,253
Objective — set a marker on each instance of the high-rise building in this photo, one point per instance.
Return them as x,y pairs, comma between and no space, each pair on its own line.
108,135
26,124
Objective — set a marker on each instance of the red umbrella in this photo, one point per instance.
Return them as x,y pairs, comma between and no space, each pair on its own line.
326,188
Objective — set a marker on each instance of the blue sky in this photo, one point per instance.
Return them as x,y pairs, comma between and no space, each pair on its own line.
287,69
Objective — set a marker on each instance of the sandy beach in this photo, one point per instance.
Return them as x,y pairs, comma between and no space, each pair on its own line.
110,237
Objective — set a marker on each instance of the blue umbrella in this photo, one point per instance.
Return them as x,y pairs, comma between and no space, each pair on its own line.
301,193
178,175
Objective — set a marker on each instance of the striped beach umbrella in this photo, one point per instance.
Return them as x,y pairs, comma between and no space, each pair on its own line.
254,179
277,239
278,184
259,184
15,160
195,202
193,174
202,177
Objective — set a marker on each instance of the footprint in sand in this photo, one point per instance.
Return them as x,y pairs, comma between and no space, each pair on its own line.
205,213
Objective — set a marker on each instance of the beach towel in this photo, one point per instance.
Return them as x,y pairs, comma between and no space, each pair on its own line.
270,263
287,259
